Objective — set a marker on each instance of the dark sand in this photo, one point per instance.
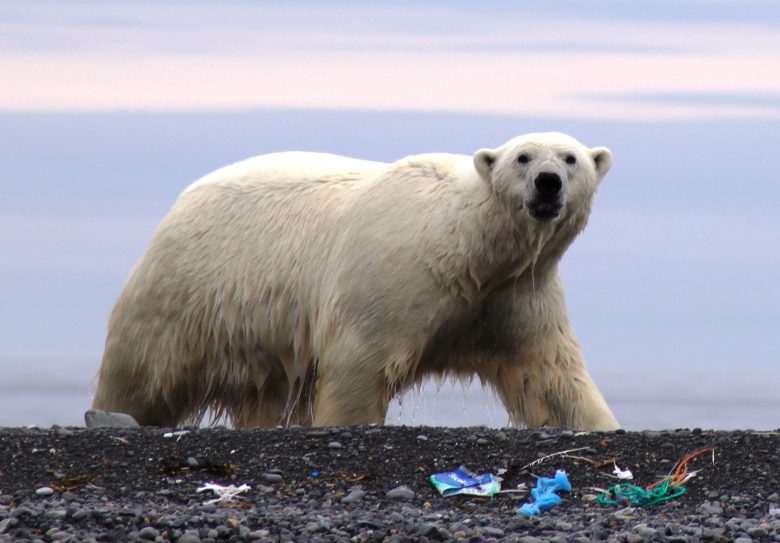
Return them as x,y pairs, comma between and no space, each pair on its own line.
136,484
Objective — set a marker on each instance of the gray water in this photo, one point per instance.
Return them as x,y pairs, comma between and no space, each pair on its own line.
44,392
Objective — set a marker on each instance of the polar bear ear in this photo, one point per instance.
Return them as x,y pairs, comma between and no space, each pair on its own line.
483,162
602,160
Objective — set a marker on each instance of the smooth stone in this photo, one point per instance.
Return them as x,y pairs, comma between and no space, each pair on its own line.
22,512
96,418
402,492
708,508
148,533
80,515
353,496
396,517
431,531
335,445
45,491
645,531
271,477
493,532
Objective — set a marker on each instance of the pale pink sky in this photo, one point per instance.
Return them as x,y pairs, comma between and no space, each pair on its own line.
128,56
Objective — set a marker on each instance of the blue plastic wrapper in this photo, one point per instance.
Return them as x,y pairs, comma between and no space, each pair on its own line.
464,481
544,494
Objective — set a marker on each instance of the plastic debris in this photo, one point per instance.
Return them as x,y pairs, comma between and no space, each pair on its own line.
224,493
464,481
623,473
544,494
627,494
668,488
177,433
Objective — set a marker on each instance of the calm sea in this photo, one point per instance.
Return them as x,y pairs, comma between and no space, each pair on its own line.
46,392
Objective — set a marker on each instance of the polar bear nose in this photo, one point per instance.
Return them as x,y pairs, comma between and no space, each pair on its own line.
548,184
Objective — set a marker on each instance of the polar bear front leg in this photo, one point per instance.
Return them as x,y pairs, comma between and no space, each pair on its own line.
544,379
549,385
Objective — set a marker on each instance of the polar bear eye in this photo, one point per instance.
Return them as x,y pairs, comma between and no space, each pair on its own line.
523,159
570,160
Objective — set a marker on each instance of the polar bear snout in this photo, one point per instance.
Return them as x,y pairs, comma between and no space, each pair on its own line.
546,202
548,185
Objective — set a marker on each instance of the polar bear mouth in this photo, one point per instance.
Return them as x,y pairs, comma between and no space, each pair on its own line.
544,211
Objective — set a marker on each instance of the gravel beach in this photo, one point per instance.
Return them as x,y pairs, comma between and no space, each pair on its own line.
372,484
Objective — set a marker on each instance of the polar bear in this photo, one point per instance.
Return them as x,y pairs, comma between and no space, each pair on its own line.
306,288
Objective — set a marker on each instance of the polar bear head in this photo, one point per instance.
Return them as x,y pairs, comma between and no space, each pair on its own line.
543,176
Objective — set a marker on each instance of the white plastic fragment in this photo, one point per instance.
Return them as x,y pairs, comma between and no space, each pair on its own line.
177,433
624,474
224,493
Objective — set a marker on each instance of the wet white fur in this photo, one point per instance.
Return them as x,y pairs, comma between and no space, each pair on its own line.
309,288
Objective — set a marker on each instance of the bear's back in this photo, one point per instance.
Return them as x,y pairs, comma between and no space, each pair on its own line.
289,167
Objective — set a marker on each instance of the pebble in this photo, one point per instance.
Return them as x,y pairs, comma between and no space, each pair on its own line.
148,533
335,445
189,537
422,437
433,531
95,418
79,515
645,531
269,477
353,496
402,492
709,508
44,491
